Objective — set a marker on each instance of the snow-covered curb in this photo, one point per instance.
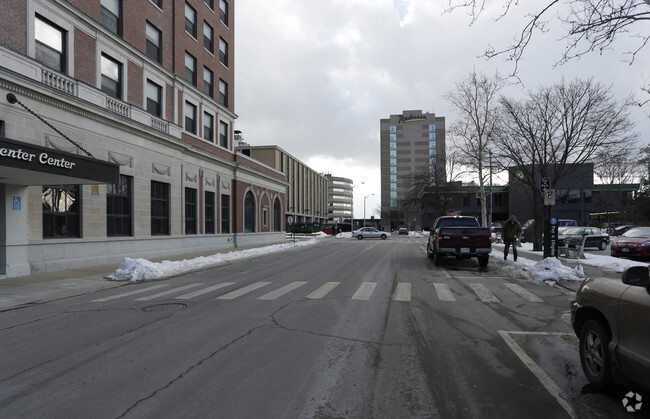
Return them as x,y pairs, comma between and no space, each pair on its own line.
136,270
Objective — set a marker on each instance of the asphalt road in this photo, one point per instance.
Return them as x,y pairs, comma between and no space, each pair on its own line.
344,328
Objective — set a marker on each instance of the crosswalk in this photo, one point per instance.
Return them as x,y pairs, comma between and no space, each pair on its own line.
364,292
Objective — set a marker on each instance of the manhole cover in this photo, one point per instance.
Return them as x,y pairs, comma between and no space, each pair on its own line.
164,307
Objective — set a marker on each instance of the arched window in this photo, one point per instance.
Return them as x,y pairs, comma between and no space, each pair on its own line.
249,213
277,215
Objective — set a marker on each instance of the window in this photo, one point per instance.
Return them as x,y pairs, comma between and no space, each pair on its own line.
225,213
393,194
432,144
208,82
190,69
223,52
393,169
157,3
393,186
190,118
265,216
210,4
208,37
392,145
208,127
392,161
223,134
393,202
209,212
50,44
393,128
249,213
432,135
154,99
432,151
111,15
277,215
154,42
118,207
159,208
392,137
223,11
393,178
190,20
432,127
223,93
61,211
111,77
190,211
392,153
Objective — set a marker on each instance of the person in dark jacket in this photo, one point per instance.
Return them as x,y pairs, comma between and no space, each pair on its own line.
510,232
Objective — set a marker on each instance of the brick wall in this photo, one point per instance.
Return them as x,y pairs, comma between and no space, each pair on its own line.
13,32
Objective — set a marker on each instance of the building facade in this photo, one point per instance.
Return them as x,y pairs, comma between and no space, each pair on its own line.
340,199
307,190
140,95
412,157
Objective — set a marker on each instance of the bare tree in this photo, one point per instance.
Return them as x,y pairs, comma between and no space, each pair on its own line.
475,98
591,25
620,165
554,129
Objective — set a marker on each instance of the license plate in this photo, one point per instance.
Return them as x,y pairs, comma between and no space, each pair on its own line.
464,250
625,250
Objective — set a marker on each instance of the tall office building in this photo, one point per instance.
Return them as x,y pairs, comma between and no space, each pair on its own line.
412,153
133,152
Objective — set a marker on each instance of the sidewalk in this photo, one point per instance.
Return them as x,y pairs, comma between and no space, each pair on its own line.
42,287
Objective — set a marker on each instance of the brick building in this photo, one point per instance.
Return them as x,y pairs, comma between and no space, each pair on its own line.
132,105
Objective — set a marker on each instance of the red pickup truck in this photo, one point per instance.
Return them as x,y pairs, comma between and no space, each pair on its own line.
459,236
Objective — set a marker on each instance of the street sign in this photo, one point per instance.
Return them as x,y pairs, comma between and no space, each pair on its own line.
549,197
544,184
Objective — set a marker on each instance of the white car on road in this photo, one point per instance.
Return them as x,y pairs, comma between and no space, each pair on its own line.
370,233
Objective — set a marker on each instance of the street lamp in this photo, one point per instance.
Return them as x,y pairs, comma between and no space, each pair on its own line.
352,206
364,208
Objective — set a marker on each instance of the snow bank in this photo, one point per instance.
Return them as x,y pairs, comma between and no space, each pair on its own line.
136,270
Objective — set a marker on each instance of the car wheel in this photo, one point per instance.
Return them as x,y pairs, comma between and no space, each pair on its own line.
383,237
483,261
429,252
360,237
594,355
603,245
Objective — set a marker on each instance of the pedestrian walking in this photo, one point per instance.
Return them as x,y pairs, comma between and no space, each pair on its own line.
510,232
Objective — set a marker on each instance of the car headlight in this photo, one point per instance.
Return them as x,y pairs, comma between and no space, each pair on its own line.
645,244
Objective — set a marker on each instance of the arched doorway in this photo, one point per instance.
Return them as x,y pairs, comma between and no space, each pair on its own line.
249,213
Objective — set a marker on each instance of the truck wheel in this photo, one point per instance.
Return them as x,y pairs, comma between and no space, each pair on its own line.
437,258
483,261
429,252
603,245
594,355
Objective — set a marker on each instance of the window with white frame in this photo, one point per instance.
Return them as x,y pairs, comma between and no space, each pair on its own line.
111,74
223,11
154,99
154,42
223,52
208,127
223,93
223,134
208,37
190,20
190,117
50,44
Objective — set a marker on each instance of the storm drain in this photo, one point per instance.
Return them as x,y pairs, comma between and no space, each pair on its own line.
164,307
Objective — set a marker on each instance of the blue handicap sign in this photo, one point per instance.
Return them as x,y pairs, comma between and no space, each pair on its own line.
17,203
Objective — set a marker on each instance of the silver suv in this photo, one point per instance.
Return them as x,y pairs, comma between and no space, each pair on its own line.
612,321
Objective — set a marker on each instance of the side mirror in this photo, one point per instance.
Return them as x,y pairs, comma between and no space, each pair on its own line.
636,276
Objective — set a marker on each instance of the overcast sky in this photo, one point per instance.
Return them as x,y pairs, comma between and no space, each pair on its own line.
314,77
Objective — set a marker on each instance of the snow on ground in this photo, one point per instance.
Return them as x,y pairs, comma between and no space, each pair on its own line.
549,270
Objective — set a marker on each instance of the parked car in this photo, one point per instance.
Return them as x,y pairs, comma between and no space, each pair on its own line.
403,229
617,231
593,237
370,233
634,243
612,321
459,236
528,229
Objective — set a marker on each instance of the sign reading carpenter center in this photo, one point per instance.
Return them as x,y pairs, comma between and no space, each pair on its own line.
24,156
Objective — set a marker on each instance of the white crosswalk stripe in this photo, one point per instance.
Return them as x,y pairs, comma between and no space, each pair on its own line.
402,292
524,293
202,291
365,291
281,291
484,294
324,290
130,293
168,292
444,292
242,291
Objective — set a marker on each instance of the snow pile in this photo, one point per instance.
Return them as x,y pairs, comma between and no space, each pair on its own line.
415,234
549,269
135,270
